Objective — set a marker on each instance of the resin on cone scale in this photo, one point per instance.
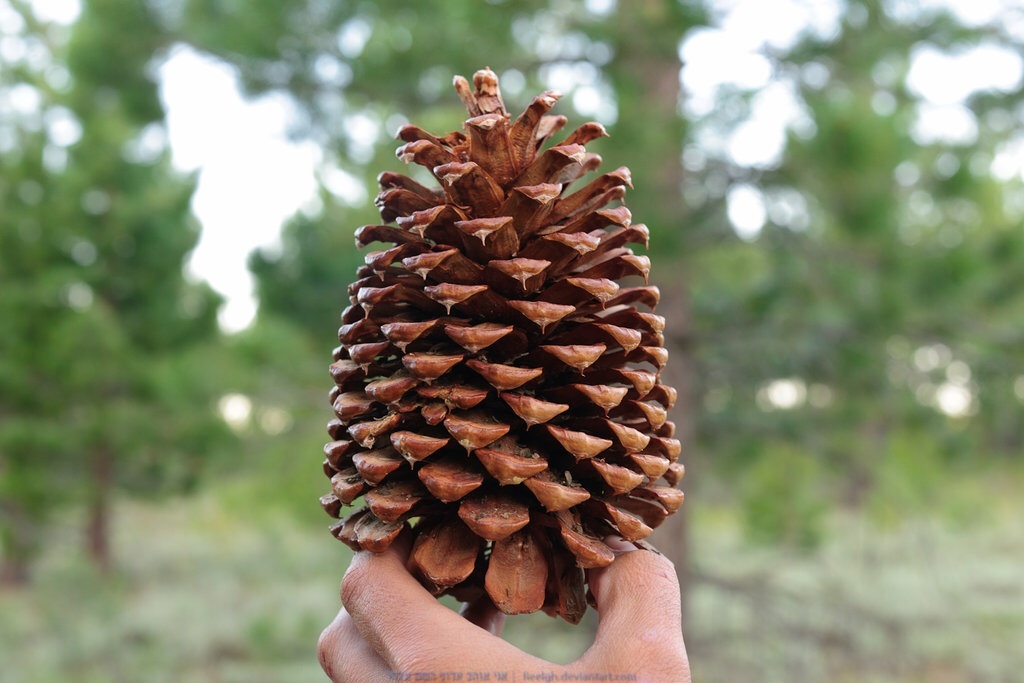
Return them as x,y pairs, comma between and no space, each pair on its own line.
497,383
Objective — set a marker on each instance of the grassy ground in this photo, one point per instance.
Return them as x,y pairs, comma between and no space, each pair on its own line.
202,594
921,603
208,590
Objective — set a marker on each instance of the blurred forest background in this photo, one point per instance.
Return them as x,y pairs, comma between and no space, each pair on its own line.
845,297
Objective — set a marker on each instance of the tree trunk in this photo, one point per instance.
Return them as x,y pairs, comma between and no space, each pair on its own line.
17,543
97,535
673,537
652,132
14,573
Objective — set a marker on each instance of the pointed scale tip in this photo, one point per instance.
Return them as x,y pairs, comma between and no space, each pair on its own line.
450,479
494,516
488,92
553,494
465,93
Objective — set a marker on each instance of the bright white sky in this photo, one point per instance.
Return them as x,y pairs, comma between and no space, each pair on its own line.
252,177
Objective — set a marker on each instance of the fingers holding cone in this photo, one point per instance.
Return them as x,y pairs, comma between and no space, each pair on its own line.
640,615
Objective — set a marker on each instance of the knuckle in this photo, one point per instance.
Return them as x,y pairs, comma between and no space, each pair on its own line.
653,568
327,646
354,583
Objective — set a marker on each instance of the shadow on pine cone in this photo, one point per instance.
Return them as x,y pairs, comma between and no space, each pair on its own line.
496,388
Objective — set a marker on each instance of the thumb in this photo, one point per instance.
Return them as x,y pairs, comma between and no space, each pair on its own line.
639,608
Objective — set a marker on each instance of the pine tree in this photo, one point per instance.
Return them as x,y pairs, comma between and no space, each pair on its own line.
104,388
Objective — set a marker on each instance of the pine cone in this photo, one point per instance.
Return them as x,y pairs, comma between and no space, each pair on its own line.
496,388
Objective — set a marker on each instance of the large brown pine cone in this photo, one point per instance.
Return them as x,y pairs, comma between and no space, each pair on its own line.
496,388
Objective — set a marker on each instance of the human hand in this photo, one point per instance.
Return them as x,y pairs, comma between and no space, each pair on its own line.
392,629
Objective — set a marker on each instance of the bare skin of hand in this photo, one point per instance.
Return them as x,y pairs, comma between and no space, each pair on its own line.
390,625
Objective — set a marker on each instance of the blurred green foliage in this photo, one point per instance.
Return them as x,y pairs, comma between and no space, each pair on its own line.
104,337
852,371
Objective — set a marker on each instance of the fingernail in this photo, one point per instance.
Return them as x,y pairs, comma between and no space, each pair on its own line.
619,545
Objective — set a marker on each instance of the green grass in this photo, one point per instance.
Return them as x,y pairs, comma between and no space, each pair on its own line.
201,594
210,589
935,597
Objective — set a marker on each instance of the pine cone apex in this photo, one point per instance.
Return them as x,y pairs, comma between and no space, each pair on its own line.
485,95
497,384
